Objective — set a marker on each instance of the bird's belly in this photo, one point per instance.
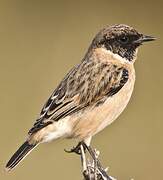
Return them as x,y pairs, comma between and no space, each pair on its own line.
96,119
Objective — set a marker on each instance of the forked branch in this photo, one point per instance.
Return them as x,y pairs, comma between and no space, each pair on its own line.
93,170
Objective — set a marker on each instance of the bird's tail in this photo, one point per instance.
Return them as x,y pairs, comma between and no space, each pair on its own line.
19,155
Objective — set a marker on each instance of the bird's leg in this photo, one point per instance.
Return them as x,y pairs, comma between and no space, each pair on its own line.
83,158
92,153
76,149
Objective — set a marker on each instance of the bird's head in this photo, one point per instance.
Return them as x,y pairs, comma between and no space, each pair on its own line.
121,39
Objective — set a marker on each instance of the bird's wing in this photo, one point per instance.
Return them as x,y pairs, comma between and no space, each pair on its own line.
87,84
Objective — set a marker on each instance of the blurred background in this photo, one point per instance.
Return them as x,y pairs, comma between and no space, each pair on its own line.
39,42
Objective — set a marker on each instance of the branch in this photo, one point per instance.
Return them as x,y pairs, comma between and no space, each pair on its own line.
92,170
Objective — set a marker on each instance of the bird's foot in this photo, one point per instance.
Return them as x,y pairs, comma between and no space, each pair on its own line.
96,168
97,162
76,149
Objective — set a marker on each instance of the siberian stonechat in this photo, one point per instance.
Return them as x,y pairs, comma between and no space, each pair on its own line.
92,95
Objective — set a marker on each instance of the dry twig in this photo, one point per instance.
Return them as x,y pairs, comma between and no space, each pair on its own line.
93,170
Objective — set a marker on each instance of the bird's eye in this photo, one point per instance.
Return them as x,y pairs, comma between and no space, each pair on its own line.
124,40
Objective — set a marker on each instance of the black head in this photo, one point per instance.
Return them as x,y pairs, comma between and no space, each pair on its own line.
121,39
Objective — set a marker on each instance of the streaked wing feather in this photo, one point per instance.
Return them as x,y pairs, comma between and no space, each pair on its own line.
86,85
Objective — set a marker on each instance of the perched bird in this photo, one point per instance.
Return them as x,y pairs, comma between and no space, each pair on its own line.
92,95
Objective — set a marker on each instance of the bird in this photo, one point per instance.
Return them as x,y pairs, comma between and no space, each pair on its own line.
92,94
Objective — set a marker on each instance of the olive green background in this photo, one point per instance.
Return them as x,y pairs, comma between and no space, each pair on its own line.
39,42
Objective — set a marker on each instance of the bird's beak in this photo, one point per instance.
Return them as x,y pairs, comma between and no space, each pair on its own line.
145,38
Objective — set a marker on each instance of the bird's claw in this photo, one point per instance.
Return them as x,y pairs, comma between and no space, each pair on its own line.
76,149
73,150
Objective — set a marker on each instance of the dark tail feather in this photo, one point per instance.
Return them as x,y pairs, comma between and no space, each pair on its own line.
19,155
